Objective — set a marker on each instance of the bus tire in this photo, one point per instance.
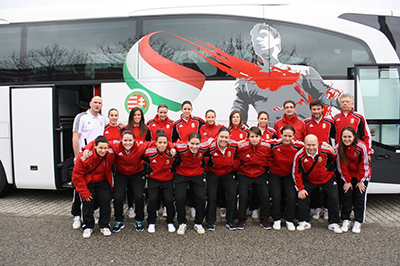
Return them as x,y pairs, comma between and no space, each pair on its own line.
4,186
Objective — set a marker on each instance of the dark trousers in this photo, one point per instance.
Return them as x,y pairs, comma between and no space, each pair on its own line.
137,182
129,195
353,197
331,190
101,193
229,184
262,187
198,185
254,199
277,183
76,204
318,199
154,187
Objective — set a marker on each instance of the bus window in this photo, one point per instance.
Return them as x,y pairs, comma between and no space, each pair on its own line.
83,50
10,63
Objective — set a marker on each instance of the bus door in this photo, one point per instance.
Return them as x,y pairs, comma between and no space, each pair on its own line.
32,136
378,93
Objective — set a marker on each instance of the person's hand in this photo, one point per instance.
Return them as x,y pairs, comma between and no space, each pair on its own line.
303,194
361,186
328,146
347,186
245,127
173,152
89,199
86,153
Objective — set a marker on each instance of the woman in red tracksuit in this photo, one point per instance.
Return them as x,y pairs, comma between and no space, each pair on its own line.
281,155
112,131
187,124
355,170
160,176
210,129
92,179
267,132
239,131
220,171
161,121
190,171
137,125
253,156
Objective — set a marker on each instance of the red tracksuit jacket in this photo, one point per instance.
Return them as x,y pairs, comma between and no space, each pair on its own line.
357,163
295,122
324,129
182,129
237,134
322,171
155,124
160,164
281,156
85,171
113,133
221,163
209,131
356,121
253,159
268,134
190,164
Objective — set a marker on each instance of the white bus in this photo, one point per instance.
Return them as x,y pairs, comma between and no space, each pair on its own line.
249,57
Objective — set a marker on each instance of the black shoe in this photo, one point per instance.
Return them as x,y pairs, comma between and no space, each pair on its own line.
231,226
211,227
118,226
139,226
265,224
240,225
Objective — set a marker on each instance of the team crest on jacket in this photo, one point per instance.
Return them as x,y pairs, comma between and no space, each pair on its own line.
267,136
229,154
200,154
323,125
241,136
320,159
167,126
352,120
355,154
193,125
167,162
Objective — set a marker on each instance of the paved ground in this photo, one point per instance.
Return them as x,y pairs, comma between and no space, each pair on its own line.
36,230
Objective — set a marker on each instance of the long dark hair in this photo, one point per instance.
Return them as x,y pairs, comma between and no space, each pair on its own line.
142,125
231,116
342,146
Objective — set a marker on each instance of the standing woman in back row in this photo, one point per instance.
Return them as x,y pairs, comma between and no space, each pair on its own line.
355,170
161,121
137,125
187,124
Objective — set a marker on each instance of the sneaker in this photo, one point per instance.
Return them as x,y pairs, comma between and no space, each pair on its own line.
87,232
277,225
171,228
139,226
303,226
77,222
317,214
290,226
231,226
211,227
199,228
105,231
223,212
118,226
131,213
192,212
345,225
356,227
164,214
265,224
151,229
254,215
335,228
240,225
181,229
326,214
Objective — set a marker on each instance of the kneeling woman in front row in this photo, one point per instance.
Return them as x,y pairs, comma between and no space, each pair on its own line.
355,170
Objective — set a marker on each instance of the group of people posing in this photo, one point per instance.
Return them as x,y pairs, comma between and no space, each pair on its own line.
285,163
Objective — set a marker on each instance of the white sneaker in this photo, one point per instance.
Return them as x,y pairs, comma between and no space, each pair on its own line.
105,231
171,228
303,226
77,222
199,228
356,227
326,214
181,229
317,214
164,214
335,228
131,213
345,225
223,212
192,212
87,232
277,225
151,229
254,215
290,226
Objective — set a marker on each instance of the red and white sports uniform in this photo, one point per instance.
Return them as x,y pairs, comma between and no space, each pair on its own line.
358,123
295,122
268,134
188,163
324,129
155,124
183,128
160,164
221,161
280,156
113,132
237,134
253,159
209,131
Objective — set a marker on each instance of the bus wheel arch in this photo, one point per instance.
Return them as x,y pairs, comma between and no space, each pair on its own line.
4,186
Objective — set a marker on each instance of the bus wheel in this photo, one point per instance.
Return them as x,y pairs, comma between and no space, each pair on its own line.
4,186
